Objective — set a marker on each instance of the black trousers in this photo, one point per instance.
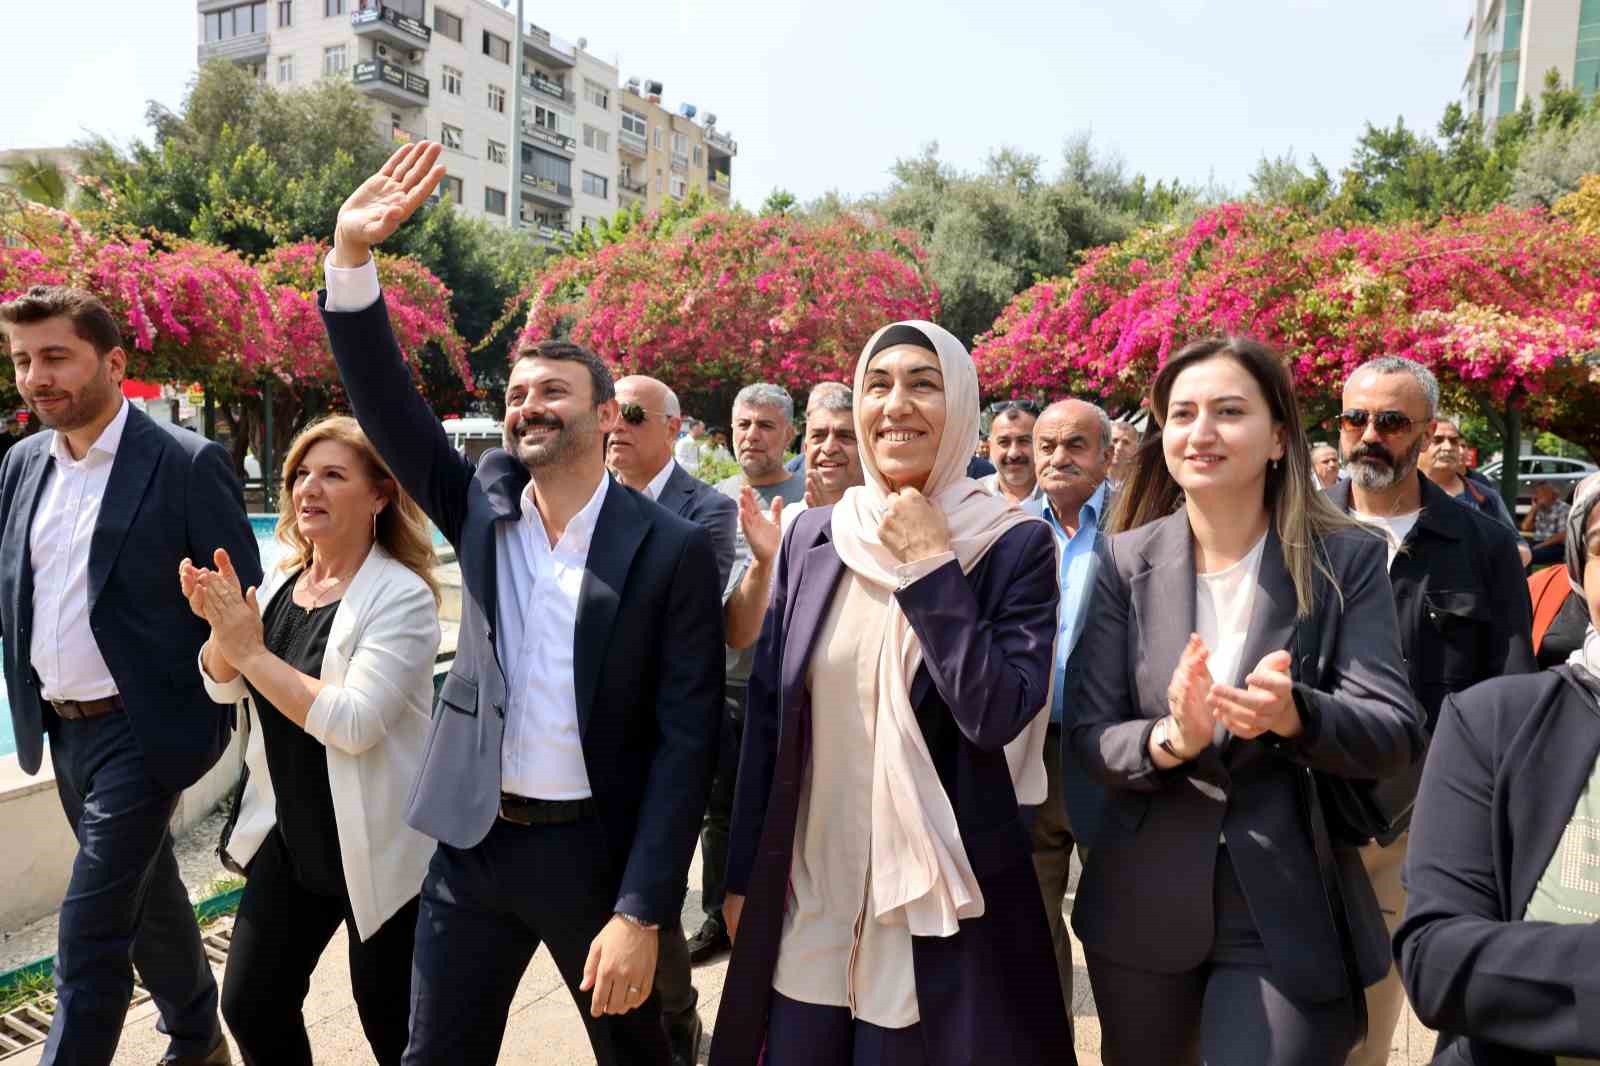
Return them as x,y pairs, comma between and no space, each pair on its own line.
126,906
278,937
485,910
674,983
718,823
806,1034
1229,1011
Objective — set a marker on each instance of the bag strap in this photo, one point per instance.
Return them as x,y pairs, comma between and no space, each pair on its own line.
238,800
1306,639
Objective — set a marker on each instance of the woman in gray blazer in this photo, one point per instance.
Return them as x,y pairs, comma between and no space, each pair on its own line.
1201,909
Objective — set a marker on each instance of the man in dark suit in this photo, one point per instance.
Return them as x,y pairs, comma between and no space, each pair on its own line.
100,656
639,453
1460,596
570,755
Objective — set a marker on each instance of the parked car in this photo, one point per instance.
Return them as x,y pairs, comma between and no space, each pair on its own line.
1532,469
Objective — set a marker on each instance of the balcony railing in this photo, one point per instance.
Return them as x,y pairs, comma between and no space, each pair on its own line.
632,142
389,23
718,139
548,185
550,137
545,85
390,81
680,161
401,135
720,180
633,185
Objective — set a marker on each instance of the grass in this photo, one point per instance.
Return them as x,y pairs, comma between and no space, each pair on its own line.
28,987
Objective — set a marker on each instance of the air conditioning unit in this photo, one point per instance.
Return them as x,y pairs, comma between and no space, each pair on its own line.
414,56
383,51
633,86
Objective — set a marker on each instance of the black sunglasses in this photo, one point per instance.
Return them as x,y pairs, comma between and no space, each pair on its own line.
1025,406
1387,423
634,414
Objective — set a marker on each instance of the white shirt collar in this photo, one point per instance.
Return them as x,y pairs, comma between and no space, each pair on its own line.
659,482
106,443
580,529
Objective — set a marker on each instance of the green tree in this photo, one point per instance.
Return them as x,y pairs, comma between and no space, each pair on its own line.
39,181
779,202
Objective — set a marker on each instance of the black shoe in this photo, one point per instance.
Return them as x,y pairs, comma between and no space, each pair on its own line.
708,942
683,1040
218,1056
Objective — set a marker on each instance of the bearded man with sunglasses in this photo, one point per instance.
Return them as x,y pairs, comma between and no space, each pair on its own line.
1459,593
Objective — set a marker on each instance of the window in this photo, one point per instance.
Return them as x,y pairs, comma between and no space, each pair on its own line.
658,181
594,185
335,60
285,14
447,25
496,152
236,21
597,94
555,121
450,136
679,186
497,99
494,201
680,143
540,165
498,49
699,155
285,69
658,140
450,188
633,122
450,78
330,8
597,139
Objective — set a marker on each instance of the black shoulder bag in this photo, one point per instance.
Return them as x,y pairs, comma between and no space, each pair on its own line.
235,804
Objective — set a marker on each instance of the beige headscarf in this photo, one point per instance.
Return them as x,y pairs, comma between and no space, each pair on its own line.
920,872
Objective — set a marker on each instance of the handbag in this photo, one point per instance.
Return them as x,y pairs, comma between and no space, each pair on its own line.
234,806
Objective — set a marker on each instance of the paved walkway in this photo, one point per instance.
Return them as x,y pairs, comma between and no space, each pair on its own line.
544,1027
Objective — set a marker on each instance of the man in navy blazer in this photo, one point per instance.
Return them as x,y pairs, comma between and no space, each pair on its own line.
100,653
639,452
570,754
1072,446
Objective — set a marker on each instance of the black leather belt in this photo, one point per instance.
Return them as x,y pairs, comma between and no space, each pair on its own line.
74,710
524,811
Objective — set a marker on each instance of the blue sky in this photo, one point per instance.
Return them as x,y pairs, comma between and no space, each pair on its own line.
826,95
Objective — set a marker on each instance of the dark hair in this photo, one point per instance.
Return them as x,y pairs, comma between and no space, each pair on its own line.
90,319
1297,509
600,380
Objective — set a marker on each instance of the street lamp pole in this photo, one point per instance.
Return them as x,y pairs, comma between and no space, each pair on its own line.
514,195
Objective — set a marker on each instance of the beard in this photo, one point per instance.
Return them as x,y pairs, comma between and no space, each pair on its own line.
567,443
81,407
1375,468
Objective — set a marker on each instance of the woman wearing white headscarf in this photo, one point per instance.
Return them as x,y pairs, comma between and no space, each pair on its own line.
881,890
1500,947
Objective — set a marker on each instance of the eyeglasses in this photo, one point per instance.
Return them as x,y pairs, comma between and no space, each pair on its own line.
634,414
1387,423
1025,406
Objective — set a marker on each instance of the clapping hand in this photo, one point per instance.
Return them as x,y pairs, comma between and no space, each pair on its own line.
384,201
1266,703
1188,697
236,628
763,531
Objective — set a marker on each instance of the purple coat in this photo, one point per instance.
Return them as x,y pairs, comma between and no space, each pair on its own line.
990,992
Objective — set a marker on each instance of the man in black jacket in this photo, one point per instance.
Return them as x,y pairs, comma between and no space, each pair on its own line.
1460,596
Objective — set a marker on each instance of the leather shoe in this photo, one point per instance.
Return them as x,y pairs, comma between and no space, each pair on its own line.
683,1040
708,942
217,1056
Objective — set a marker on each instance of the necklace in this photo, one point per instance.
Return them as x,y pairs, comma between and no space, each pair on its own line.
320,589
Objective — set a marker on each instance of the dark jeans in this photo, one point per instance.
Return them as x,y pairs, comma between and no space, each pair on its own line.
1228,1011
280,934
126,906
485,910
719,809
805,1034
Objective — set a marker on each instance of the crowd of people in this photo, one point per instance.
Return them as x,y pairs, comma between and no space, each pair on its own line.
1314,739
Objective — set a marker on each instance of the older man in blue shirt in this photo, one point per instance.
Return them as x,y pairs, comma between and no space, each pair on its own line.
1071,453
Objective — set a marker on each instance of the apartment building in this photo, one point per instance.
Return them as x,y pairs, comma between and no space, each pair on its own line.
445,72
662,154
1511,44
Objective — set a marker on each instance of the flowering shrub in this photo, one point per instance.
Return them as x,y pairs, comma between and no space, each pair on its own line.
1501,306
728,298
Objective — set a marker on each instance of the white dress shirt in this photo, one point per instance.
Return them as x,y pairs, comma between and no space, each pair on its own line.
541,753
63,649
659,482
687,452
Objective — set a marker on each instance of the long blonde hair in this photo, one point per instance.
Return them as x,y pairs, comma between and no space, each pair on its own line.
1300,514
401,527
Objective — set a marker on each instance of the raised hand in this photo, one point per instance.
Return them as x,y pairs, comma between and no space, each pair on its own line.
1266,703
384,201
1188,696
190,580
764,531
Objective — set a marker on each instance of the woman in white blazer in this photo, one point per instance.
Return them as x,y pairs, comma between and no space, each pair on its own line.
332,662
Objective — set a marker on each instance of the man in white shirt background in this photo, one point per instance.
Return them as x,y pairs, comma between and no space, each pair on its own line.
100,652
686,449
571,752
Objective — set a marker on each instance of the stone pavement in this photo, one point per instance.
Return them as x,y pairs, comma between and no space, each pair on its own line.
544,1027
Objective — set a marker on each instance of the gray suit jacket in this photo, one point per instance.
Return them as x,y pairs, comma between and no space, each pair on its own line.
693,500
1162,826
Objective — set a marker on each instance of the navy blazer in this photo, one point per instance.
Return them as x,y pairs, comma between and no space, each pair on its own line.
171,494
1161,826
1505,770
647,651
693,500
990,992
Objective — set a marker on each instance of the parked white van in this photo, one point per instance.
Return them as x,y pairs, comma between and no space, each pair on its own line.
473,436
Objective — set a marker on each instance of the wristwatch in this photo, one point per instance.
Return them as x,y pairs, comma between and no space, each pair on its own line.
638,923
1163,734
